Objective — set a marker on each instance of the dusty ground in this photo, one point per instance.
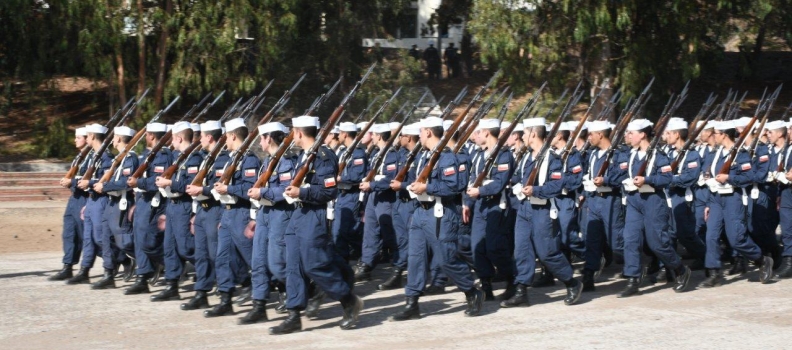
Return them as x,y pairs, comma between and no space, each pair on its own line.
41,314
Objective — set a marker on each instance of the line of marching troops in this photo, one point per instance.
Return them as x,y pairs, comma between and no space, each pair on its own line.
299,241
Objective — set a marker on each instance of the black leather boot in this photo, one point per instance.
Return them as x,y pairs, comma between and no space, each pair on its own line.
765,265
80,277
486,288
739,267
410,311
574,291
281,308
520,297
258,313
107,281
139,287
62,275
475,299
393,282
224,308
171,292
715,279
129,271
198,301
363,272
312,309
434,290
682,279
243,294
588,281
158,268
352,305
633,285
785,271
291,324
511,288
544,279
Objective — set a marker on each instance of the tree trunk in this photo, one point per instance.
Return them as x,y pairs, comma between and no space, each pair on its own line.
141,32
162,51
757,50
120,75
467,50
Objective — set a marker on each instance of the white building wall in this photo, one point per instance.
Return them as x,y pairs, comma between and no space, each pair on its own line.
425,10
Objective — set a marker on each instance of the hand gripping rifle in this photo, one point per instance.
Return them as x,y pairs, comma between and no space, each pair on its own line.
495,152
119,159
377,162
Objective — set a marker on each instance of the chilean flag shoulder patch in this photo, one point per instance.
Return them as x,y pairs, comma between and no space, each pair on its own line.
159,169
391,167
461,167
329,182
665,169
623,166
192,170
577,169
218,173
693,165
284,177
555,175
250,172
449,171
746,166
358,161
503,167
126,171
764,158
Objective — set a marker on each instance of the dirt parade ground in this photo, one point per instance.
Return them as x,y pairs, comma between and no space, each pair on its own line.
41,314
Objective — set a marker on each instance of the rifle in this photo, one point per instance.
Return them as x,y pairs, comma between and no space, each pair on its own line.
311,152
394,134
470,125
342,163
741,139
704,109
548,141
126,109
618,130
319,101
402,174
660,127
98,154
153,153
504,136
434,154
579,128
119,159
694,133
366,110
252,136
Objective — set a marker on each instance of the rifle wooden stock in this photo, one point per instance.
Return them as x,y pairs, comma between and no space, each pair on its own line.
119,159
194,146
541,155
402,174
494,155
263,180
150,157
77,162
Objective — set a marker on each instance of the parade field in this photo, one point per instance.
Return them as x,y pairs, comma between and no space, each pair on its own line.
42,314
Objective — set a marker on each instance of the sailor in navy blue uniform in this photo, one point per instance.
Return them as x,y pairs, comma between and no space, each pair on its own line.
149,207
604,209
207,215
726,209
117,235
346,225
309,248
434,226
235,235
179,243
489,235
72,222
535,231
779,156
94,206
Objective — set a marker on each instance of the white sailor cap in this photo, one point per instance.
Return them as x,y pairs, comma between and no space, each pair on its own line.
505,125
195,126
531,122
95,129
447,124
347,127
80,132
725,125
181,126
393,125
335,130
639,124
305,121
411,129
270,127
776,124
211,125
488,124
677,124
156,127
742,122
568,126
431,122
435,112
123,131
234,124
361,125
380,128
168,127
599,125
